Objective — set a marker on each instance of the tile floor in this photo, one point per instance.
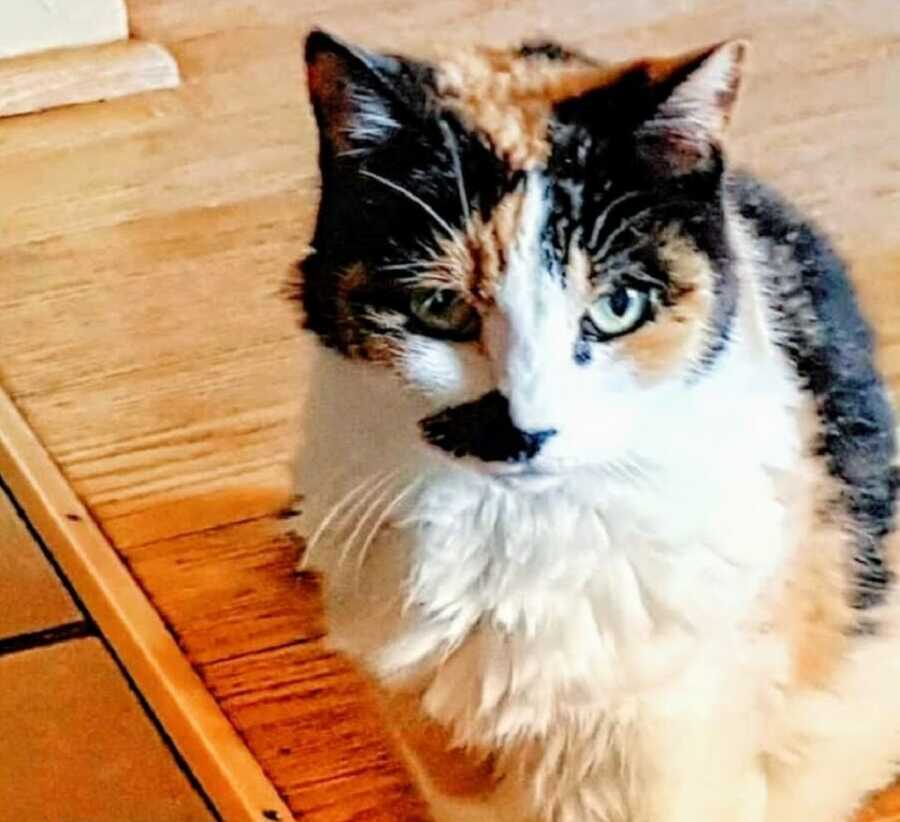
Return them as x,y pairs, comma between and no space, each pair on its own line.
76,743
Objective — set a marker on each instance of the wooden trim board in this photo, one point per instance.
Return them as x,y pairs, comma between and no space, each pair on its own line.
220,760
67,76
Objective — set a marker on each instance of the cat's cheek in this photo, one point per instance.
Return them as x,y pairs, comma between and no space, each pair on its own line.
603,411
445,372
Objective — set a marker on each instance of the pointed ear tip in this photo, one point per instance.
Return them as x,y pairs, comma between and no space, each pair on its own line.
735,49
318,41
315,42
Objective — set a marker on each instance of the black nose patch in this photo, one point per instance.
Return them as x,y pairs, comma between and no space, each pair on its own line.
483,429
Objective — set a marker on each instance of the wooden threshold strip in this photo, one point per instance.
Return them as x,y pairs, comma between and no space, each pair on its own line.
225,768
64,77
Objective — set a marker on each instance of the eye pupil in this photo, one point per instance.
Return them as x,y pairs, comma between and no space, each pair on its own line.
619,301
444,311
619,312
442,301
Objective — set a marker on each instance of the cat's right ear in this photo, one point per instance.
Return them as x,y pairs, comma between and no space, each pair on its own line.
361,99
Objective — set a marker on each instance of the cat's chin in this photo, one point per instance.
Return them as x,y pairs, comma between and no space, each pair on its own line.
517,477
534,477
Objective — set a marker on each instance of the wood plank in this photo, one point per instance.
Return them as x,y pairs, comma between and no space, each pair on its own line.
75,744
28,26
84,75
311,721
248,601
254,629
161,368
33,597
229,774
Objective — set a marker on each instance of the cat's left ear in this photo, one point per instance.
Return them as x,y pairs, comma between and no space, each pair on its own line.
695,96
361,99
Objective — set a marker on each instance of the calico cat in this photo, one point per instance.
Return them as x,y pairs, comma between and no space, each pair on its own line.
598,468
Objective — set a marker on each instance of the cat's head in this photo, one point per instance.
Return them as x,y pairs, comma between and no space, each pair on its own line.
533,241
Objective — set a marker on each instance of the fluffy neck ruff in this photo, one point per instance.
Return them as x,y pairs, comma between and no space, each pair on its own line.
513,608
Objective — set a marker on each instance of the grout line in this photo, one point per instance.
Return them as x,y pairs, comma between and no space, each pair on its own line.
39,541
46,637
90,629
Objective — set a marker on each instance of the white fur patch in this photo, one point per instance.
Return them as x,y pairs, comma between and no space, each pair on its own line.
370,123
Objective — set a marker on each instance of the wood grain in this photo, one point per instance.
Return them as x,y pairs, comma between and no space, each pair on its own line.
83,75
146,242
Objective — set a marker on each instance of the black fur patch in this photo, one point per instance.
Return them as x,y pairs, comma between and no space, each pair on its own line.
364,221
611,197
548,49
829,343
483,429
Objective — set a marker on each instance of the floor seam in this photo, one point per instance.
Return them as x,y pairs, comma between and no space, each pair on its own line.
46,637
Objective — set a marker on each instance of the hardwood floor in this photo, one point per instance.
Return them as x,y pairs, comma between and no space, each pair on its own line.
144,248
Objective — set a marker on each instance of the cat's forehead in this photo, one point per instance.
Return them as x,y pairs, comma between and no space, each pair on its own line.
510,95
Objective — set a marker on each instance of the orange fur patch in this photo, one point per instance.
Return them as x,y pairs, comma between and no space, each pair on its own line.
675,337
455,772
816,615
496,240
509,98
382,348
474,260
813,612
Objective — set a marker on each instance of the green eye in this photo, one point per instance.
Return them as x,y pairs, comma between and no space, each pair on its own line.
445,313
620,311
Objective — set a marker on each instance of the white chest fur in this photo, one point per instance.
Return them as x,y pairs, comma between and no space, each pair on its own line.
576,594
523,609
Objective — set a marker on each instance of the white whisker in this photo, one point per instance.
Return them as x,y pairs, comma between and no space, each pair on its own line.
379,491
601,220
373,532
425,265
408,194
457,165
629,223
407,266
349,513
332,513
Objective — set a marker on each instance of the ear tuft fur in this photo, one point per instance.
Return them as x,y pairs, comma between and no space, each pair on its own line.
698,93
349,87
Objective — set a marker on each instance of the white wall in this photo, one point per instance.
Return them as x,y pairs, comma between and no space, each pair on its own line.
36,25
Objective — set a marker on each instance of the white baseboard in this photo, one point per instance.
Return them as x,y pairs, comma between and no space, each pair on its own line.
68,76
28,26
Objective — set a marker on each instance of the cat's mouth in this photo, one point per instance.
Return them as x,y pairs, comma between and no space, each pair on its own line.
527,476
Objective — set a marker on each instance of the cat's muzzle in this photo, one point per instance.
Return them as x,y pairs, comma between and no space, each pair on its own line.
483,429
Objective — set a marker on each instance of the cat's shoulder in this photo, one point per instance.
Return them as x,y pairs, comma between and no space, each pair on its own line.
791,235
825,336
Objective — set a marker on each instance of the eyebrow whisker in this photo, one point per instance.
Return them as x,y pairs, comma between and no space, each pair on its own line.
452,142
414,198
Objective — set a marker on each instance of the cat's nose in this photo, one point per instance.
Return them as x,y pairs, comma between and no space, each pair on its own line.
483,429
532,442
